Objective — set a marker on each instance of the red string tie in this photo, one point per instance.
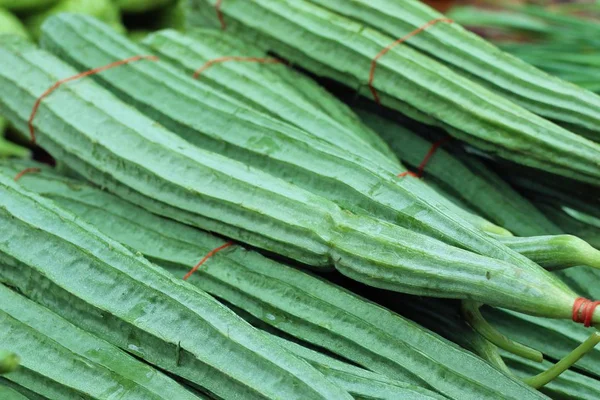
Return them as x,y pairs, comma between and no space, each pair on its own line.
426,159
583,311
260,60
31,170
220,14
36,106
394,44
206,257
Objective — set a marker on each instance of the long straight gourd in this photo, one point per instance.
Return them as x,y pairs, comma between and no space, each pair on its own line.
285,298
467,53
362,384
102,287
120,149
215,122
274,89
59,360
337,47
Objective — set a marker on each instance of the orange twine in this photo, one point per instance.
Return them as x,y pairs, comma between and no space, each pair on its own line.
583,311
209,255
36,106
26,171
394,44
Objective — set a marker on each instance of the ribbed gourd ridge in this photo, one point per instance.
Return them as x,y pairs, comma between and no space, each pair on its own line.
102,287
276,90
214,122
120,149
285,298
469,54
59,360
362,384
331,45
11,391
500,203
8,393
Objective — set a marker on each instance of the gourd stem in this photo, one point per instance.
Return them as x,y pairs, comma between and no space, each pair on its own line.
472,315
553,372
497,362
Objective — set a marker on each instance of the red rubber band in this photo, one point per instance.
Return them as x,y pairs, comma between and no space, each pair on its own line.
220,14
26,171
577,308
260,60
388,48
583,311
426,159
209,255
72,78
589,313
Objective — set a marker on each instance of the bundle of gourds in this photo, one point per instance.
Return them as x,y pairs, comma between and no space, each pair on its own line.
296,199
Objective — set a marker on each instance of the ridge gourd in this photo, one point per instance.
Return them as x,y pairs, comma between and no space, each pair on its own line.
333,46
285,298
102,287
120,149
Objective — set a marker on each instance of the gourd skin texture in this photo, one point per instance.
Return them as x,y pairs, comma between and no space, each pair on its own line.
491,198
333,46
120,149
7,393
216,123
20,392
362,384
469,54
283,297
104,288
276,90
73,362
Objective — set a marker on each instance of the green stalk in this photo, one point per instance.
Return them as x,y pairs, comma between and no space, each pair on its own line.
555,252
552,373
471,313
571,384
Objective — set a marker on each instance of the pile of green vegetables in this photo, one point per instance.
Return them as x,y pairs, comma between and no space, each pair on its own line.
323,269
563,40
